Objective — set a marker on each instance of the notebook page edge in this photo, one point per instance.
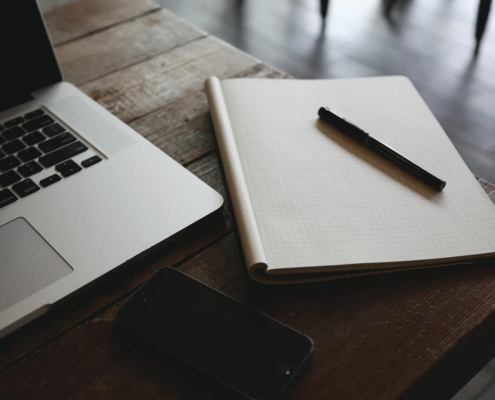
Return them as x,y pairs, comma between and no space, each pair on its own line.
241,202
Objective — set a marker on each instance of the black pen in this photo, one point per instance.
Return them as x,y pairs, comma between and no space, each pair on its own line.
390,154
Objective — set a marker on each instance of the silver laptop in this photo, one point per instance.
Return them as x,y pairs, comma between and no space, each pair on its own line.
80,192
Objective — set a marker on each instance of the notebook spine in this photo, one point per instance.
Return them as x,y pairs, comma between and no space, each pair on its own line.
241,201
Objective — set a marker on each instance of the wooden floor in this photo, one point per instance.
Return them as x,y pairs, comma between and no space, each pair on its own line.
429,41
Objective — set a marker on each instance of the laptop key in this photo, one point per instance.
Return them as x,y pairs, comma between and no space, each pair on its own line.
2,154
13,122
57,142
91,161
25,188
53,130
33,138
13,147
62,154
1,128
68,168
34,114
50,180
14,133
2,140
7,197
38,123
29,154
29,169
9,163
9,178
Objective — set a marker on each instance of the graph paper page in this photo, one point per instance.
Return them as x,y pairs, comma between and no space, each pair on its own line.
321,199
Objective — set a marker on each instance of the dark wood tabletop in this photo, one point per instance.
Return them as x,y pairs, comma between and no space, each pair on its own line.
411,335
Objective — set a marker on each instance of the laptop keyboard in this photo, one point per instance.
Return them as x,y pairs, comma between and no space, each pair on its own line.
30,144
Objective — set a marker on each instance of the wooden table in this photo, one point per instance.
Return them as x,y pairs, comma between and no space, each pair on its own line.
415,335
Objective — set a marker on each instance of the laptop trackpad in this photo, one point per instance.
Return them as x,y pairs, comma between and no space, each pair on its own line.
27,263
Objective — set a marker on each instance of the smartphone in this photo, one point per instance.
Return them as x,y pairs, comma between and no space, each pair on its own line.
251,353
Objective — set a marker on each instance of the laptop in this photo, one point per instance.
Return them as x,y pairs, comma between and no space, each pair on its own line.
81,193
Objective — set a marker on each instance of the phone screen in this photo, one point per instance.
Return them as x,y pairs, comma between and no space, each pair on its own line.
248,351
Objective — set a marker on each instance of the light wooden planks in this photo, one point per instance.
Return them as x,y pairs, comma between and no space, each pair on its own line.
82,17
91,57
183,129
140,89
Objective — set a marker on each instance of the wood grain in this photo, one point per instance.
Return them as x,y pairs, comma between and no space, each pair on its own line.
183,129
91,57
140,89
489,188
82,17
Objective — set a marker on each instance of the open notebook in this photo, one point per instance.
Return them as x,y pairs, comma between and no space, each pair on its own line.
313,204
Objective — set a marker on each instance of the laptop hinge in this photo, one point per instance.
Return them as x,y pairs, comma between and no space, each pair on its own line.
11,101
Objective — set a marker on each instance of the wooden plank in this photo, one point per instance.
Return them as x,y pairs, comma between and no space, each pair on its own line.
488,187
82,17
140,89
91,57
157,120
183,129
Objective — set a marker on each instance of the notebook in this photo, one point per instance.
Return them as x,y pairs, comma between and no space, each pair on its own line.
311,203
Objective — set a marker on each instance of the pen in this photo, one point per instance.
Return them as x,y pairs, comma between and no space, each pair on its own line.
382,149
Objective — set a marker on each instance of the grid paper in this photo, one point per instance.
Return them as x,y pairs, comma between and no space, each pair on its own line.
321,199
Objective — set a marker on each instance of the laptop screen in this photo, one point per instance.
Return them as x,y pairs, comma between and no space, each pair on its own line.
27,61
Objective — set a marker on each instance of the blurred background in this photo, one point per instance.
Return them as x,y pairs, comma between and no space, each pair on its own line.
430,41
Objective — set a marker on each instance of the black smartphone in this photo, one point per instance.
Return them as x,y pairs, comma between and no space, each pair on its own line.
243,349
